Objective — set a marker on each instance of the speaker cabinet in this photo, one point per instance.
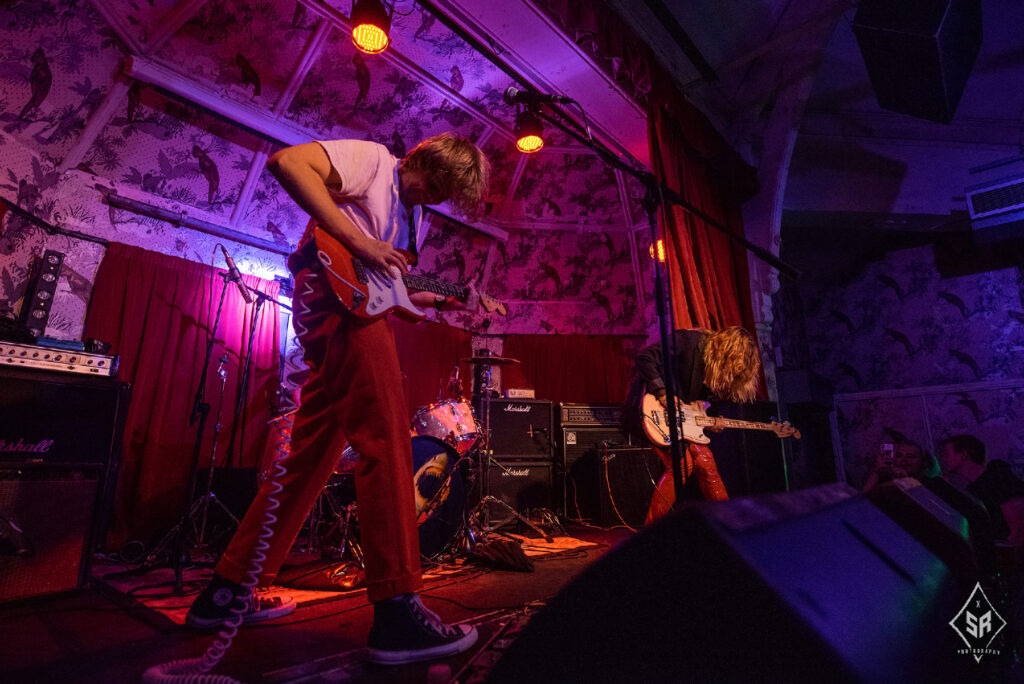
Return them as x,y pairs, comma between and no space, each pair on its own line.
919,53
46,527
809,586
520,428
63,420
577,482
626,477
522,485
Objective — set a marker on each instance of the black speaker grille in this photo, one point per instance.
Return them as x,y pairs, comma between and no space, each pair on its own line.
47,517
520,428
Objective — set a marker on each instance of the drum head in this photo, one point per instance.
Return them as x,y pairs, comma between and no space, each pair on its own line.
440,495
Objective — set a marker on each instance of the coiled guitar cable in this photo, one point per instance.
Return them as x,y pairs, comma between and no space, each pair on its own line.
197,670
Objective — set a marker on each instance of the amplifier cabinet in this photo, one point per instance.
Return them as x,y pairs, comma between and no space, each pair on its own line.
520,428
626,478
67,422
578,491
522,485
57,418
46,528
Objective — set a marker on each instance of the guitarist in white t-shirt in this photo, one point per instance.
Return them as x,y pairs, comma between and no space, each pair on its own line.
369,203
708,365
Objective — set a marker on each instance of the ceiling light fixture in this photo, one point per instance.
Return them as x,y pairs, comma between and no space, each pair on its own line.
371,23
529,132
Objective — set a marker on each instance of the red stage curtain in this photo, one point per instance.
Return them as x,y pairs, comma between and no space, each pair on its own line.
428,353
708,271
708,275
157,312
587,369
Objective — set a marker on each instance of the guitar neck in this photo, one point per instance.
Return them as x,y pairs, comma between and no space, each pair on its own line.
425,284
707,421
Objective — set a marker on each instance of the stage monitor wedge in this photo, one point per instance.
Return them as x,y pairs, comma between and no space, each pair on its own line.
810,586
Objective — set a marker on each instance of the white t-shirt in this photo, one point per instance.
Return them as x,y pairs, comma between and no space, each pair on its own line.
368,191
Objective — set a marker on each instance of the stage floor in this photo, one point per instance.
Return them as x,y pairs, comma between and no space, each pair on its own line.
121,626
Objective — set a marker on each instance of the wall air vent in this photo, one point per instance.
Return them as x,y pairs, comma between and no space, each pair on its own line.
1007,195
997,210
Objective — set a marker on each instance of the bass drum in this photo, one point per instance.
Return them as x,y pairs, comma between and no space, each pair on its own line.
439,493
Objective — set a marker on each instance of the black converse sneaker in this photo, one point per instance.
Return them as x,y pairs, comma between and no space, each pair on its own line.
213,607
404,631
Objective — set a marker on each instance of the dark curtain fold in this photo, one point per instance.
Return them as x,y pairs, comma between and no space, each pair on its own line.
158,312
587,369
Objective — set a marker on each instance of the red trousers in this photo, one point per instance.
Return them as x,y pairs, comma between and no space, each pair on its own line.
698,458
354,393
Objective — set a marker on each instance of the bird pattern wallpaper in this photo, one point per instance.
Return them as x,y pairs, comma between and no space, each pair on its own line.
921,337
151,123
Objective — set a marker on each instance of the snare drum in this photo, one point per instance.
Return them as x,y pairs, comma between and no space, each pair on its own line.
450,421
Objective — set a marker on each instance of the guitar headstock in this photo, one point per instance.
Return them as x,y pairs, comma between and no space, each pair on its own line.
491,305
785,430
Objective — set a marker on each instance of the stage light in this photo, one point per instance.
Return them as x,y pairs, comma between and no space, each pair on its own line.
529,132
660,247
370,25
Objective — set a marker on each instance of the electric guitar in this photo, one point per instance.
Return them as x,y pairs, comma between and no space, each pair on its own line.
691,420
368,293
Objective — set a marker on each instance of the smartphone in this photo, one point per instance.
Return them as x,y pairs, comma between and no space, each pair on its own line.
887,450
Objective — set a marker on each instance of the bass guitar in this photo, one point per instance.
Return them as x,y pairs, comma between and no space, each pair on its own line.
692,418
368,293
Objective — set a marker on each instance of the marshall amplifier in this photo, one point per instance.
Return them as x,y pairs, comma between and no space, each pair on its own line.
54,418
522,486
53,424
520,428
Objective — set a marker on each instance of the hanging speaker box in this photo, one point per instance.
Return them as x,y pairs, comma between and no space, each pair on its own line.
919,53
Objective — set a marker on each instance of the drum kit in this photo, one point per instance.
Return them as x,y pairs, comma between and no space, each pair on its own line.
451,457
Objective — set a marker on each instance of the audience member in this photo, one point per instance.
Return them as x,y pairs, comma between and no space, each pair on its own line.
963,459
994,484
911,460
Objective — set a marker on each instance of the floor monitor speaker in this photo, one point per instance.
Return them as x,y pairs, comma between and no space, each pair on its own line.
817,585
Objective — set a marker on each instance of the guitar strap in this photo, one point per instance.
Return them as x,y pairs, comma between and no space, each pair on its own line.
412,237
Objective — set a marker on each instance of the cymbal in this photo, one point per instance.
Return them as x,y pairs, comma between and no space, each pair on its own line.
491,360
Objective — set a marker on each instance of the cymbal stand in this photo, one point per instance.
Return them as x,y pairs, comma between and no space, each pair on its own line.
481,512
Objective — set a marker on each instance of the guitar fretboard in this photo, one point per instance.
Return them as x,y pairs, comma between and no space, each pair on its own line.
418,282
732,423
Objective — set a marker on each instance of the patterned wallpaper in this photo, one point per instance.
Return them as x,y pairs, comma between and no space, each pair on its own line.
920,335
176,106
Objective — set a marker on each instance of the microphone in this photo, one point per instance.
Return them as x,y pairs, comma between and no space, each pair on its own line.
235,275
515,96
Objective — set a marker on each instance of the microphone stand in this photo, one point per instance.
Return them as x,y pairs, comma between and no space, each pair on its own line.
176,539
243,382
655,195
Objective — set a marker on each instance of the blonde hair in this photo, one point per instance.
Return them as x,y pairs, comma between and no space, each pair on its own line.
732,365
462,164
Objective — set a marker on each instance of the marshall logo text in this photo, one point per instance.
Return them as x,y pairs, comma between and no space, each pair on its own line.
515,472
21,447
518,408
